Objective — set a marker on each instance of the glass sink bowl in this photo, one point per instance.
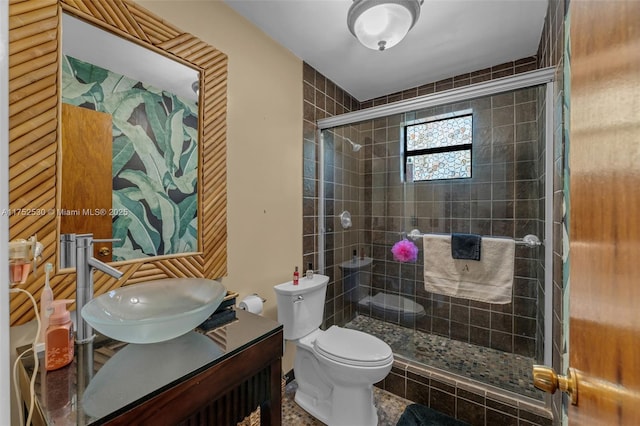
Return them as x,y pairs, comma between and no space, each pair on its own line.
154,311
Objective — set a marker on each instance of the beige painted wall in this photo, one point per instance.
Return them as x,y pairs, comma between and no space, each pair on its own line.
264,142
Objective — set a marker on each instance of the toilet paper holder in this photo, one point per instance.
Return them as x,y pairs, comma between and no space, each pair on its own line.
252,303
261,298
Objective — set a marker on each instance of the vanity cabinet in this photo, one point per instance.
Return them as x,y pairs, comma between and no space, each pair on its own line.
202,378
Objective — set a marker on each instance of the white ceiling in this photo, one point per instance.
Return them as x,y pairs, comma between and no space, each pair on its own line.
452,37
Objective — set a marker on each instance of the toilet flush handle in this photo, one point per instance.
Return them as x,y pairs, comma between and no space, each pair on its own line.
298,299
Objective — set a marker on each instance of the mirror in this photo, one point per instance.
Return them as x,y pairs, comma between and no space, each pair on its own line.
35,154
143,162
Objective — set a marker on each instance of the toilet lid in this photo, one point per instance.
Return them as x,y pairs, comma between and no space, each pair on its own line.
353,347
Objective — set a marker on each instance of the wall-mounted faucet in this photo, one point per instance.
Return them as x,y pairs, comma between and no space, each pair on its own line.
77,251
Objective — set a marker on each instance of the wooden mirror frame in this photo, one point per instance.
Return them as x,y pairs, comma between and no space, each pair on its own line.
34,139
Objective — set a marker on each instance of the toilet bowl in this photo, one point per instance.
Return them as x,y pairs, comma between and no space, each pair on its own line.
335,369
393,308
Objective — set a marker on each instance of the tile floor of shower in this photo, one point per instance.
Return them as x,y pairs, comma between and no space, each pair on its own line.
503,370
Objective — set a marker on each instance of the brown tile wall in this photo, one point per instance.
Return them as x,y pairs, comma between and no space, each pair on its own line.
461,399
344,191
322,98
501,199
491,73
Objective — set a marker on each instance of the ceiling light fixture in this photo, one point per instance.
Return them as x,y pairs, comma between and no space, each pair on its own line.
381,24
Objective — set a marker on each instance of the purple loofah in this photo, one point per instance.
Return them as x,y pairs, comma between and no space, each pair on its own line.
405,251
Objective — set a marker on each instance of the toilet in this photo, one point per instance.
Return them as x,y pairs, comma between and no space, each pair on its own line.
335,369
356,278
393,308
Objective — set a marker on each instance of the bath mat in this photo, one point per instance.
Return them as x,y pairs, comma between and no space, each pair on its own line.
421,415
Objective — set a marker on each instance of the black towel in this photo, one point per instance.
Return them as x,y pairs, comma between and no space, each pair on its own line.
466,246
420,415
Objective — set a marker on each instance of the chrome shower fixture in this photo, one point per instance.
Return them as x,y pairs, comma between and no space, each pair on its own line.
354,146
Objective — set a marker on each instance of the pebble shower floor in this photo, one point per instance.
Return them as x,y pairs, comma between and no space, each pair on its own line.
504,370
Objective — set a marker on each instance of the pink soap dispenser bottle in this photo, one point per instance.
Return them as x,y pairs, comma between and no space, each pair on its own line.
59,337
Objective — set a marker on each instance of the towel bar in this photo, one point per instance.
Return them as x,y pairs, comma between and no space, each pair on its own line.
528,240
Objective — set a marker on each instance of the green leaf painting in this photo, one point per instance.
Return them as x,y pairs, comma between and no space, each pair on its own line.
155,159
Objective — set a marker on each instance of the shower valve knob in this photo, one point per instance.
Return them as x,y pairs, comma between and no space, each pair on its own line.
546,379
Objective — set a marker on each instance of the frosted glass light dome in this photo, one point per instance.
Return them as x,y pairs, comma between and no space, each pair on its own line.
380,24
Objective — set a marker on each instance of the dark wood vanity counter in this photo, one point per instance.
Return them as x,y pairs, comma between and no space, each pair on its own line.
205,378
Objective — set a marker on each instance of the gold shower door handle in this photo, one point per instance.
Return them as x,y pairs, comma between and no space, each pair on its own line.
546,379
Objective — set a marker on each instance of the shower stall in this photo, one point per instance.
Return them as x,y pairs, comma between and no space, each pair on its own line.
469,160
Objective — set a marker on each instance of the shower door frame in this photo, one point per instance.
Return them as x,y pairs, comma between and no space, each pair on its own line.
539,77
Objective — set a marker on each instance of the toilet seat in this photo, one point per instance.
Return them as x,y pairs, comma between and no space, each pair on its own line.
353,347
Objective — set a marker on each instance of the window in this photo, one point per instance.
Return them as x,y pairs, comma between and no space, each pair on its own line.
439,148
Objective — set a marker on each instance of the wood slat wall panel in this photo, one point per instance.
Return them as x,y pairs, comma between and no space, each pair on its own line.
18,19
23,108
79,5
36,87
18,156
39,174
40,46
105,15
32,77
34,111
29,6
156,27
22,34
133,25
203,56
120,17
141,15
40,117
35,63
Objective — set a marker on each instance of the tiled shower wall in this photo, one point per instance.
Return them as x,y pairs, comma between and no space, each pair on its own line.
501,199
323,98
344,192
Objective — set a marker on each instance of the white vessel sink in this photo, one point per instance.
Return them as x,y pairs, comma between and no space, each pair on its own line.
154,311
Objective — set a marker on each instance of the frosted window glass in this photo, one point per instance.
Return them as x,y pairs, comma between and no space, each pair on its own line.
441,165
441,133
439,149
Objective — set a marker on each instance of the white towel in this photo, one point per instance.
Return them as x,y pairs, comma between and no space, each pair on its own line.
487,280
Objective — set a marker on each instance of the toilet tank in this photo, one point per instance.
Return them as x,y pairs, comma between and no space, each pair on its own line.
356,278
300,307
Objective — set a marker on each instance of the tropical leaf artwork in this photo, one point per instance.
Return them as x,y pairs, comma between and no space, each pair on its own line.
155,159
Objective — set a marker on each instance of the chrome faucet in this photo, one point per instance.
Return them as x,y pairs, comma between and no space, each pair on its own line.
77,251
